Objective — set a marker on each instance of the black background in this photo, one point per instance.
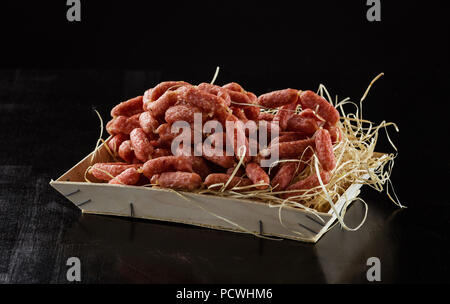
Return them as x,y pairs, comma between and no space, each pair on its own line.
54,71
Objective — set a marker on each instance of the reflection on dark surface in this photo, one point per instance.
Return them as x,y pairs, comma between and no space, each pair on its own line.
149,251
116,249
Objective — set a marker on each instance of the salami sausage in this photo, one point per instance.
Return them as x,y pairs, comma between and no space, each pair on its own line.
239,113
199,165
233,86
123,124
148,123
141,145
301,124
146,99
310,100
159,152
244,101
284,176
216,90
252,112
128,108
166,136
167,164
308,183
240,172
210,104
284,114
335,132
324,150
266,116
126,151
278,98
220,158
115,142
128,177
177,180
268,127
161,88
159,107
308,113
257,175
289,136
289,149
239,135
181,113
219,178
107,171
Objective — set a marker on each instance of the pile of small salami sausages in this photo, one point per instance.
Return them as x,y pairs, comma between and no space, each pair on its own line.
142,137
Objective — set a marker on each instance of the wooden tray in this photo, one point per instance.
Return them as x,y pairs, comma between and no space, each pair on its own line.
191,208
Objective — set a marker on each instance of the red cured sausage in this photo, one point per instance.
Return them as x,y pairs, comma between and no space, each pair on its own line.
141,145
199,165
128,177
310,100
266,116
107,171
182,113
216,139
126,151
233,86
210,104
161,88
128,108
240,172
252,96
289,149
284,176
335,133
177,180
324,150
252,112
239,135
148,123
219,158
278,98
239,113
218,178
289,136
244,100
268,126
284,114
308,183
257,175
191,132
115,142
159,107
301,124
216,90
159,152
166,136
306,156
166,164
146,99
265,129
239,97
123,124
288,171
308,113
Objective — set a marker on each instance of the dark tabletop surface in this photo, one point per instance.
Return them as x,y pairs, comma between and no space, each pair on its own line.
52,75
